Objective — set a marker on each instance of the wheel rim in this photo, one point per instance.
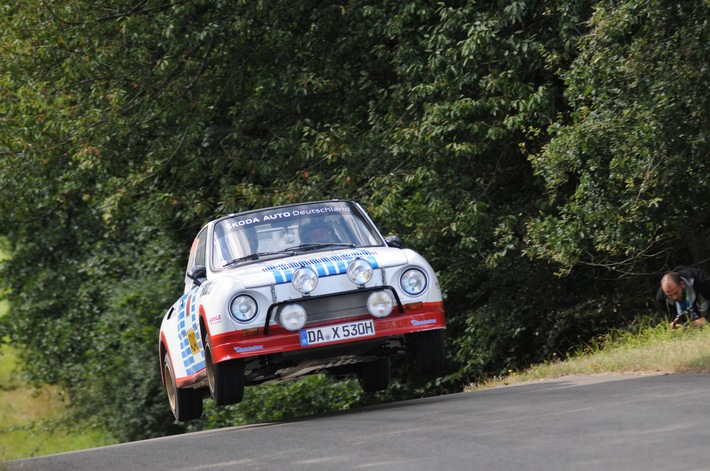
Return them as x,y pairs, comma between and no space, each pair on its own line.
170,387
210,370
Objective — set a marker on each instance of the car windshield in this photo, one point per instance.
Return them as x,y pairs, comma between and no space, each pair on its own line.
288,230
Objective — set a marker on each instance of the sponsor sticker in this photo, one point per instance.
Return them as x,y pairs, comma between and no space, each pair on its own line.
248,349
192,338
425,322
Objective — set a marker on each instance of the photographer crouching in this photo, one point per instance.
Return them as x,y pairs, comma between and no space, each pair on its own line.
683,296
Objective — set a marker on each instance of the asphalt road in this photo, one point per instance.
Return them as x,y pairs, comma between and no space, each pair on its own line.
657,422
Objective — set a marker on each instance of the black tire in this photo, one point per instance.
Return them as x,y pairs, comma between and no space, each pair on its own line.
375,375
225,379
186,403
429,352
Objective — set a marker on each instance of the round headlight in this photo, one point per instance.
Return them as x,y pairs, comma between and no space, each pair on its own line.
243,308
380,303
305,280
292,317
413,281
359,271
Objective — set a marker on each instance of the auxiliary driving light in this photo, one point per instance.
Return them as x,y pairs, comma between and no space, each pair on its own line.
305,280
359,271
292,317
380,303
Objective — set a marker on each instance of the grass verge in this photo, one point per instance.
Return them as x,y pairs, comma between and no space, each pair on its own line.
653,349
31,419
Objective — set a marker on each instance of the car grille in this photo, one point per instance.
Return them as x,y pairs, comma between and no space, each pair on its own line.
330,308
335,307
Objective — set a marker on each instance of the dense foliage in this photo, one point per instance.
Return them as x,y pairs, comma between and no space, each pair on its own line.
549,158
629,174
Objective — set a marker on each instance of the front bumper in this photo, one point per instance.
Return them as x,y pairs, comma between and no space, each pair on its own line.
415,317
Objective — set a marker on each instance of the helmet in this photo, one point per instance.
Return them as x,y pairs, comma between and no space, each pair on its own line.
315,231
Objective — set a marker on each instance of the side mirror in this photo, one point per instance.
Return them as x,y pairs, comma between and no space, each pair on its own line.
198,274
394,241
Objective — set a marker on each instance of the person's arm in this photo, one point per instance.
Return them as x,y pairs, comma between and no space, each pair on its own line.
665,308
661,303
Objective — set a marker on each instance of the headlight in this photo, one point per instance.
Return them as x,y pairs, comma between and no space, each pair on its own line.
380,303
359,271
413,281
243,308
292,317
305,280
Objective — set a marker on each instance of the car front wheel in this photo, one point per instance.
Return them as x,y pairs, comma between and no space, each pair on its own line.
375,375
225,379
428,349
186,404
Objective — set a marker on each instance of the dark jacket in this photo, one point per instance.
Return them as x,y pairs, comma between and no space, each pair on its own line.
697,292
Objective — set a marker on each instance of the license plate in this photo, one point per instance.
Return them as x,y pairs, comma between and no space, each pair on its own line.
335,333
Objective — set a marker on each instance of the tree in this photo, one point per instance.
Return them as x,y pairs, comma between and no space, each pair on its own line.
628,175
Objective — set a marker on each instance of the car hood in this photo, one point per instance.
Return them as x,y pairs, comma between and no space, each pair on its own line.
325,263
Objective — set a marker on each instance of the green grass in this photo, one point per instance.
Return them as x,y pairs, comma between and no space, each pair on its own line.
30,419
653,349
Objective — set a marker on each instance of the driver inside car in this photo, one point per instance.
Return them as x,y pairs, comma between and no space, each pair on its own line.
316,232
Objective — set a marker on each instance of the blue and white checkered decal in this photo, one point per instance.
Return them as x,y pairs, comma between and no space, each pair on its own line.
188,321
324,266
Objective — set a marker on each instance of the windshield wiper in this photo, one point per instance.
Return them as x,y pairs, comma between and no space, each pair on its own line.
254,256
290,250
308,247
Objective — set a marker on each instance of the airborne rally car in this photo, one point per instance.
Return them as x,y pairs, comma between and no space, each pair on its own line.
278,293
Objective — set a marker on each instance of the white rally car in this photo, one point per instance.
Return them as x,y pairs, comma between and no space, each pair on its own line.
278,293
